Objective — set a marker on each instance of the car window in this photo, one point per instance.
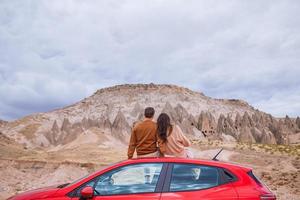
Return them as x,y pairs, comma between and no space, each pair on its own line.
132,179
187,177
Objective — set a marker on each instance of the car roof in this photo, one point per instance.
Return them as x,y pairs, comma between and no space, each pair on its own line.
221,164
186,160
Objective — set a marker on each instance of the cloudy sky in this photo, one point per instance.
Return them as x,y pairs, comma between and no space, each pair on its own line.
54,53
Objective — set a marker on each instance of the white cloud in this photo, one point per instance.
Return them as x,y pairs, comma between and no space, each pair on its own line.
230,49
281,103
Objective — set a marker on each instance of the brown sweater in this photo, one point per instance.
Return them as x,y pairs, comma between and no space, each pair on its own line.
143,138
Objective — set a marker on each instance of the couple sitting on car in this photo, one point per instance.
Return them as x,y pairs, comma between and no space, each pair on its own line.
157,139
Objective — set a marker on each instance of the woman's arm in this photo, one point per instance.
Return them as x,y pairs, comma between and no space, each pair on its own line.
185,141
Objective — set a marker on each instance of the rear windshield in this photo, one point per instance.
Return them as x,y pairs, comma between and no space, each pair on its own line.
250,173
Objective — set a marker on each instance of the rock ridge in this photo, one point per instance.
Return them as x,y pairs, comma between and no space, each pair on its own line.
114,111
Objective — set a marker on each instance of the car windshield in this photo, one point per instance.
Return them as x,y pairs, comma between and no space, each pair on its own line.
80,179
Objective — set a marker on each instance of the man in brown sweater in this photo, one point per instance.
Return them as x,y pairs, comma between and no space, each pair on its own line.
143,137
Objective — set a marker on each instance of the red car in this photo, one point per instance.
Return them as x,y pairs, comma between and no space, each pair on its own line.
160,178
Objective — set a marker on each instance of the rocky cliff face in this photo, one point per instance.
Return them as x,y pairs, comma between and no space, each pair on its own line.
2,123
113,110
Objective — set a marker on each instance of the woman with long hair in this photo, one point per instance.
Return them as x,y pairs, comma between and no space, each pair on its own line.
171,140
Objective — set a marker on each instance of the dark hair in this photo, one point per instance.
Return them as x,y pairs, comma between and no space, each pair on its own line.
149,112
163,123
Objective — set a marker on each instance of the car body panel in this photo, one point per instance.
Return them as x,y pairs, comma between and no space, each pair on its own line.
40,193
248,189
154,196
222,192
241,188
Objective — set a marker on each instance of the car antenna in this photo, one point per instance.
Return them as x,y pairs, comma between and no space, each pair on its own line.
215,158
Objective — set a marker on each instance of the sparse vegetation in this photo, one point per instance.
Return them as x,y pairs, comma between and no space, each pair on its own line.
291,150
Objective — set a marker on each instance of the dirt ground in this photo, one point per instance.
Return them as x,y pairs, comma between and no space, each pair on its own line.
23,169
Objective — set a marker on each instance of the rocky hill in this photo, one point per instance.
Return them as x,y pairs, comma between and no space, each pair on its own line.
2,122
113,110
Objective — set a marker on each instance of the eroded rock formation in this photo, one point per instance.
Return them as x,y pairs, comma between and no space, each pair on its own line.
2,122
114,110
207,123
120,127
298,122
256,128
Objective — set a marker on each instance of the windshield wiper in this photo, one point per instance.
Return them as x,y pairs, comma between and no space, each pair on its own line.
63,185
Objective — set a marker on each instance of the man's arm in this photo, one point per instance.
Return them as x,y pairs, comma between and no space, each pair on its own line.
132,144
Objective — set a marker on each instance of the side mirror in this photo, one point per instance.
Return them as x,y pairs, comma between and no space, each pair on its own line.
87,192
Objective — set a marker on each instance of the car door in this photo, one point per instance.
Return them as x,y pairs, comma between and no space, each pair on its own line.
135,181
190,181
